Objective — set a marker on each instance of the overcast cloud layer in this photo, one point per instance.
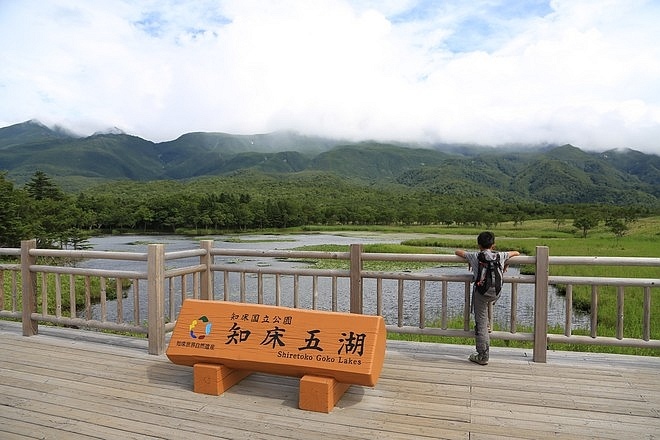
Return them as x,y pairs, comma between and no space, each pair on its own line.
585,72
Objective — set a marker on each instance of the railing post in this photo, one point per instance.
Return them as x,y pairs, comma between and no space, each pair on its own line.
356,278
29,283
206,276
541,304
156,298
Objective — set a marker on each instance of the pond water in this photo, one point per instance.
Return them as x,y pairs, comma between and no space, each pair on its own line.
501,311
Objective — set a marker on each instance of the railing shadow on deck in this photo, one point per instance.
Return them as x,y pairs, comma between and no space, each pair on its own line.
162,280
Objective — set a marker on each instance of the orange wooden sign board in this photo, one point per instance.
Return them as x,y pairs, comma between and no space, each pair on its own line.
349,348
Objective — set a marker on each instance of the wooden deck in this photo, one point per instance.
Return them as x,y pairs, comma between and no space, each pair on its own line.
71,384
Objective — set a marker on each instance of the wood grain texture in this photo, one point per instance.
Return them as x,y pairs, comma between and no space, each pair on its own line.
74,384
280,340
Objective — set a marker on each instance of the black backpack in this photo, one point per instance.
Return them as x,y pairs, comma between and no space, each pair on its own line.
489,276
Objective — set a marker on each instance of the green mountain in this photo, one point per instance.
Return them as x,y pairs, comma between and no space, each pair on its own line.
644,167
30,132
563,174
567,174
375,161
95,158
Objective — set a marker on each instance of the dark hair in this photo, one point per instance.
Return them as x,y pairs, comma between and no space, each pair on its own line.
486,240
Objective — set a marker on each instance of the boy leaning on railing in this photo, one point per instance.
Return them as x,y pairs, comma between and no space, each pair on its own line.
488,267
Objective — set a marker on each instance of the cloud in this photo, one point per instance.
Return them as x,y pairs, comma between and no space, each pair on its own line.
489,71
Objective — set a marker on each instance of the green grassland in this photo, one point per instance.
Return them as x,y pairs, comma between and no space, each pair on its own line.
641,240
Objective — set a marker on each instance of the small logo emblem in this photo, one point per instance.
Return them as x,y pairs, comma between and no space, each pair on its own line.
200,333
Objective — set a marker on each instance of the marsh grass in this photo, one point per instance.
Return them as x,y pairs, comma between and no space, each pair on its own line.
641,240
79,286
370,265
457,323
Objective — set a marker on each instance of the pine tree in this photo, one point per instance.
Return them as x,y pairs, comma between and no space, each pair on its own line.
41,187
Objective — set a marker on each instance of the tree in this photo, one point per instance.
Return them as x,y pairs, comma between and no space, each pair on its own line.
559,221
50,215
617,226
76,239
51,222
12,221
41,187
585,223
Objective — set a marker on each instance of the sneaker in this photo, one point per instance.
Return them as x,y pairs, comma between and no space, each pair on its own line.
480,359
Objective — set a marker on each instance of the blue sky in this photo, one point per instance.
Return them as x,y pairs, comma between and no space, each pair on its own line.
490,72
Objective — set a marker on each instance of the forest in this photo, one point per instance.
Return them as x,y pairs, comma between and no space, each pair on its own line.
62,189
254,201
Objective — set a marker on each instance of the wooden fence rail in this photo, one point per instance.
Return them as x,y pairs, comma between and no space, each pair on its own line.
37,287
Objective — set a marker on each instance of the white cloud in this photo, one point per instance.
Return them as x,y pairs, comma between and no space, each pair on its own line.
578,71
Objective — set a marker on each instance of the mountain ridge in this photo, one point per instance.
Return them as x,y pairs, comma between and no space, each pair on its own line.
547,174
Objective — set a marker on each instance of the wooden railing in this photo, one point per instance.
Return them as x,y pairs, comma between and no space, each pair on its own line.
151,304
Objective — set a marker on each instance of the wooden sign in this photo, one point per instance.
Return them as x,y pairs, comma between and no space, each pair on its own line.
349,348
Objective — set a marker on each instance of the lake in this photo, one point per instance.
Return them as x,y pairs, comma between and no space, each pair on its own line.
138,243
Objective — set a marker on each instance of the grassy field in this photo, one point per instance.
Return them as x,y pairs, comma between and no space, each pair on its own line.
641,240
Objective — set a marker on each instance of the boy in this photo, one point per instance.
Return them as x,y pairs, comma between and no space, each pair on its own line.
486,242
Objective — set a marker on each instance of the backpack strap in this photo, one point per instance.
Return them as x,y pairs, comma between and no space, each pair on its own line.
481,271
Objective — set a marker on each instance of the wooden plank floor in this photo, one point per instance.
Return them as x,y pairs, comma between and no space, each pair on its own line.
73,384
